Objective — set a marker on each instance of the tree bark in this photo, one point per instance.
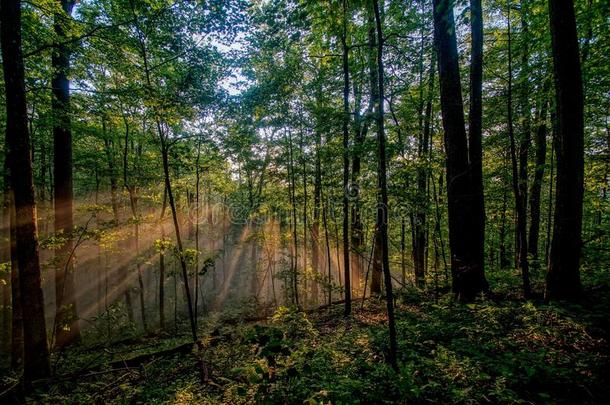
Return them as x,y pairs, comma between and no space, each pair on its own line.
172,205
466,269
108,148
295,246
520,208
304,216
563,277
315,225
346,120
475,136
535,191
66,319
36,352
382,209
419,244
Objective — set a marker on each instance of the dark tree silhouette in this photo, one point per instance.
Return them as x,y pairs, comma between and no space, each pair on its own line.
36,353
563,277
464,239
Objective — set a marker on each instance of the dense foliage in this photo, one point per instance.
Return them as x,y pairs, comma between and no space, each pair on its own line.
239,170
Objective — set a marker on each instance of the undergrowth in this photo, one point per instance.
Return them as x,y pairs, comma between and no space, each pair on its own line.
509,351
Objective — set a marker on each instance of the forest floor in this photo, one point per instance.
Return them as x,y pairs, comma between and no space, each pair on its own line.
501,351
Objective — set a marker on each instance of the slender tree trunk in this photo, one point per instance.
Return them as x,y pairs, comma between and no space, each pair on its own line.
464,239
526,136
563,277
330,276
66,322
338,251
108,148
36,353
162,268
346,120
549,212
502,248
536,189
377,269
382,210
361,125
520,208
141,282
315,225
475,137
132,189
419,256
304,168
418,218
295,246
172,205
437,221
197,213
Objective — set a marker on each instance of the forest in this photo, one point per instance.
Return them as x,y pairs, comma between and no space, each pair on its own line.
305,201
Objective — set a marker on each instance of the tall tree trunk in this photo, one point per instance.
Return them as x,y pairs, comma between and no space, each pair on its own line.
36,352
196,223
526,136
475,137
382,209
132,189
108,148
563,277
361,126
377,263
66,322
549,210
419,256
304,168
437,221
346,120
535,191
162,284
295,247
328,258
466,269
315,225
418,218
172,205
520,208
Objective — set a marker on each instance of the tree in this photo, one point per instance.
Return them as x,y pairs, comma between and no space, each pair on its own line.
66,320
467,272
475,132
382,208
517,178
563,277
345,128
36,353
536,188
